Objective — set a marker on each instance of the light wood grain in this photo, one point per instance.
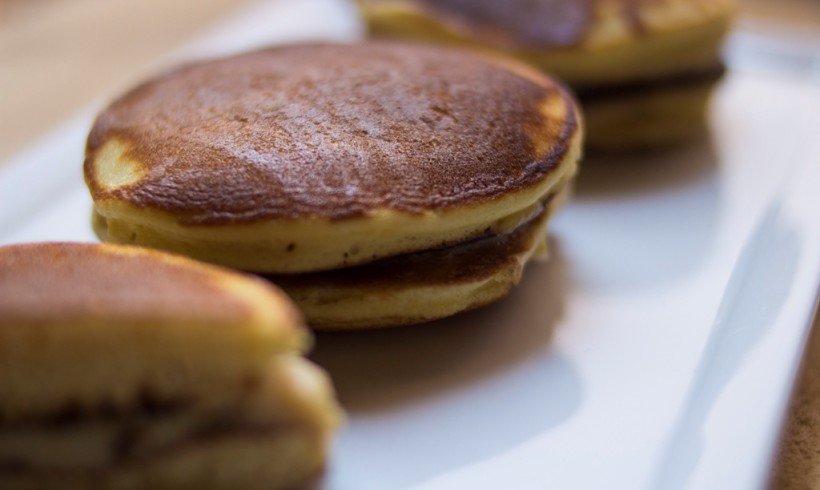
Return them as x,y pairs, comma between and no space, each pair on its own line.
56,56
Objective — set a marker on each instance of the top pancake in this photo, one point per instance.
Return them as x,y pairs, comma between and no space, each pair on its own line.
581,41
328,131
355,135
116,322
64,282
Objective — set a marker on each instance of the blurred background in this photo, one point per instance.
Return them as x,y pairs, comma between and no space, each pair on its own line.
58,57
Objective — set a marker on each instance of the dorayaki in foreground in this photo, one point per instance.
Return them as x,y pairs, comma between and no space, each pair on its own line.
124,368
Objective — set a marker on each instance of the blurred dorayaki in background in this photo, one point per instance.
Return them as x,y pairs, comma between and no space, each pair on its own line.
643,69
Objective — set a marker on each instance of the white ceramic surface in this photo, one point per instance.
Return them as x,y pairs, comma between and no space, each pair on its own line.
655,349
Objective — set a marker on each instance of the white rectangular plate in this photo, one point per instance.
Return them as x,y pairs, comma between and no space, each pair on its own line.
655,349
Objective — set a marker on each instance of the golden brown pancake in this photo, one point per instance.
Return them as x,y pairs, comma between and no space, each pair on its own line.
592,44
123,367
422,286
307,158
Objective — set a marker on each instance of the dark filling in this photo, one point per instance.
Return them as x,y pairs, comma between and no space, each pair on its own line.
130,429
464,262
124,448
147,406
705,75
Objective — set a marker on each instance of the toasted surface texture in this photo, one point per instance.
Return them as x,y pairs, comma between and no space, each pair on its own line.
123,367
58,282
249,161
327,131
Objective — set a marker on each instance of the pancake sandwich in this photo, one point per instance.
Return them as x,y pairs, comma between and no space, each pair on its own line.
306,159
642,69
126,368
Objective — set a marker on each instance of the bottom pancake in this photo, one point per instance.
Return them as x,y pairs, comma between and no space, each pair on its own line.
649,113
420,287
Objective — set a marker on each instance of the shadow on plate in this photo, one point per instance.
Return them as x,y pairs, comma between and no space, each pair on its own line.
378,369
630,174
431,398
641,221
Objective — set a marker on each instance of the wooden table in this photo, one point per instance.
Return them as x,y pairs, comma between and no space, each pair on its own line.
58,56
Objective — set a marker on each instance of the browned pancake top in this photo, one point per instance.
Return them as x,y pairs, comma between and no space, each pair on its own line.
332,131
64,282
529,24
